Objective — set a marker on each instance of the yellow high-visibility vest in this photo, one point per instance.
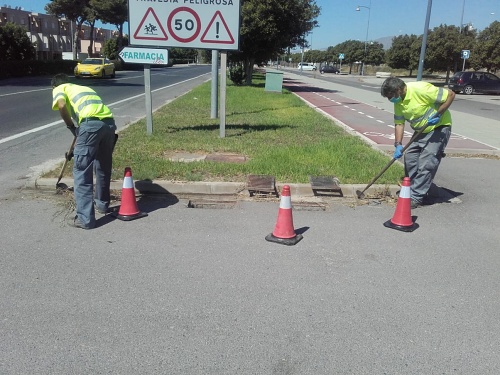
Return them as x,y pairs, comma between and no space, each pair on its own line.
81,101
422,99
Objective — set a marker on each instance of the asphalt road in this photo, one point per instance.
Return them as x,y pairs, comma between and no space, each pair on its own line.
33,137
200,291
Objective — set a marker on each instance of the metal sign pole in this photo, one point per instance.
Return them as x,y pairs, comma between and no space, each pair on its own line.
215,83
223,80
149,107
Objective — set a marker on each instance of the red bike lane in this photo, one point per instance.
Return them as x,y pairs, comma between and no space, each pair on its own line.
372,123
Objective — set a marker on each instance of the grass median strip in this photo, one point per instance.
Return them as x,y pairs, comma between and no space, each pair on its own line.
278,134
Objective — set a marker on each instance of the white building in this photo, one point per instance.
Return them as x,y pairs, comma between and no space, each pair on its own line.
52,36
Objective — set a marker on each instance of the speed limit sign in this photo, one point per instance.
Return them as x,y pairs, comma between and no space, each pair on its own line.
199,24
184,24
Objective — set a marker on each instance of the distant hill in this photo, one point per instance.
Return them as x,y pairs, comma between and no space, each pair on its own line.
386,41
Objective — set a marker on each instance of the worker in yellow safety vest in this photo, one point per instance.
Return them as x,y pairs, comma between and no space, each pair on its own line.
421,104
95,137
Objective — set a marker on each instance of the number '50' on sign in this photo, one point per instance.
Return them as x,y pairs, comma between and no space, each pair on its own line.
184,24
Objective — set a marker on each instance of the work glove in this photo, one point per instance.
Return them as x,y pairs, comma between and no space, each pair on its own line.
69,155
398,152
434,119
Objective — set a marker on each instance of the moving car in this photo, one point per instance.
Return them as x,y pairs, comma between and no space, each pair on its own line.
474,82
329,69
306,66
95,67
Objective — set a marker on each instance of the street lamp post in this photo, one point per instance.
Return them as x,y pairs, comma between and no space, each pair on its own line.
358,9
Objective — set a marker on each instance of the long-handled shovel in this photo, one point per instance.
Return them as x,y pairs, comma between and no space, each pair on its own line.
361,194
67,157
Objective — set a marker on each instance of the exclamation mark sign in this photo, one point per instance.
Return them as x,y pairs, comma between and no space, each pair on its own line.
217,30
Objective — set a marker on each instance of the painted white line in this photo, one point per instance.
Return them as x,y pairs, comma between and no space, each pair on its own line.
25,92
43,127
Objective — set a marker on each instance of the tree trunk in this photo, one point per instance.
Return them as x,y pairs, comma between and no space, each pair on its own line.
120,36
249,71
91,44
76,39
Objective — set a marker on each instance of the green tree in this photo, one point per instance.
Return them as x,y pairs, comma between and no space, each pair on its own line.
401,54
183,54
111,48
114,12
15,44
353,51
486,53
444,46
375,54
74,10
268,28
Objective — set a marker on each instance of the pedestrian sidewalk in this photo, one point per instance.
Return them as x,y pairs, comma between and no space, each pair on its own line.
465,125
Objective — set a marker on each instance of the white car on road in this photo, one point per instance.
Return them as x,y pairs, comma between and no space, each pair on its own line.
307,66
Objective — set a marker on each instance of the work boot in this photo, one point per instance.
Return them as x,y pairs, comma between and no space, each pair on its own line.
415,204
76,223
101,210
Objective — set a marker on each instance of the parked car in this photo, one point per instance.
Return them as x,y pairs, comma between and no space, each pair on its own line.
329,69
95,67
307,66
474,82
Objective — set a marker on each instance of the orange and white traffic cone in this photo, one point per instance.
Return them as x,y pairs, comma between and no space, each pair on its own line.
283,232
402,219
129,209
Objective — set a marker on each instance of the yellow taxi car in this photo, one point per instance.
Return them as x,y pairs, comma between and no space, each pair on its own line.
95,67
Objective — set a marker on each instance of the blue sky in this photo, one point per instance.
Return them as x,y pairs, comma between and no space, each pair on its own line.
339,21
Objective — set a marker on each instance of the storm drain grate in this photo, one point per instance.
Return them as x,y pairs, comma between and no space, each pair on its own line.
262,185
325,185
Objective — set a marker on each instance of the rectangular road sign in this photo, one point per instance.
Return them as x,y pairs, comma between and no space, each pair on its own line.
144,55
198,24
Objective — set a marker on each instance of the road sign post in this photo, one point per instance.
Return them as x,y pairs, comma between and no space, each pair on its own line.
145,56
341,57
212,25
465,56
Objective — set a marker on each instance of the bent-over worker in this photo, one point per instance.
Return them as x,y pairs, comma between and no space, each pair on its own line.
421,104
95,137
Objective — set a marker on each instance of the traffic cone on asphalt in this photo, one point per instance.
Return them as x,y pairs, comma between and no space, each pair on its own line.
283,231
128,209
402,219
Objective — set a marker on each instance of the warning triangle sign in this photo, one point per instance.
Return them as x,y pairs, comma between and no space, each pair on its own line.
150,27
217,31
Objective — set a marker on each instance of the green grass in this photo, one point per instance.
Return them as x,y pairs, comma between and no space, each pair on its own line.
279,134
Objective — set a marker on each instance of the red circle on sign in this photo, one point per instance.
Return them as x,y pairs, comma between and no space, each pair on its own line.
198,26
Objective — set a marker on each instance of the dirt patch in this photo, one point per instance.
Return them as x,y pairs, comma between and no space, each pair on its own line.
221,157
226,158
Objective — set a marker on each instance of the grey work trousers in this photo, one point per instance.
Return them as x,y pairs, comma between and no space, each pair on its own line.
93,150
422,160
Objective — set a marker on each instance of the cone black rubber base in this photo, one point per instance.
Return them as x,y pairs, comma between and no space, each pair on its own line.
410,228
284,241
129,217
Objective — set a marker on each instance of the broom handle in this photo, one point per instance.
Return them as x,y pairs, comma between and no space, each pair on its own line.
412,139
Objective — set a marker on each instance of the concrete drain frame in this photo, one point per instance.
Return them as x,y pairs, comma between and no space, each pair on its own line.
212,203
